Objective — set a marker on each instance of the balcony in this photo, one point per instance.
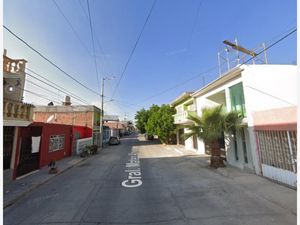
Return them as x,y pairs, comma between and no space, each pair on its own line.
181,118
17,111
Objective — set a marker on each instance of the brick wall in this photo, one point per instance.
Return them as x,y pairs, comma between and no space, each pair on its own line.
68,118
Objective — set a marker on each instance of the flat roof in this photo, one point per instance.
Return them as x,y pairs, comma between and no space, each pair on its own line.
64,108
181,98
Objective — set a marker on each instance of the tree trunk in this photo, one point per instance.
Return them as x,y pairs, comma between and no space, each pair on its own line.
215,160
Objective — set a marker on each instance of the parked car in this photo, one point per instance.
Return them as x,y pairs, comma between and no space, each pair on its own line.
114,140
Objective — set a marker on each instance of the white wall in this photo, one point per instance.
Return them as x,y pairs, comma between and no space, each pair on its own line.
188,142
201,147
265,87
269,87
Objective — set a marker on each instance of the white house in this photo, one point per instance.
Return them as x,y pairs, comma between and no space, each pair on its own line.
266,97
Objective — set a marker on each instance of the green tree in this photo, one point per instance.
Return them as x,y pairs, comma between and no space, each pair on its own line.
211,126
142,116
161,122
141,119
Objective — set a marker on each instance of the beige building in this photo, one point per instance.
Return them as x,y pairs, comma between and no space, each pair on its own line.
16,114
183,105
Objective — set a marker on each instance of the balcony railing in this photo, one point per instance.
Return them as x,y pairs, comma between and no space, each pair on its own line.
16,66
13,110
181,118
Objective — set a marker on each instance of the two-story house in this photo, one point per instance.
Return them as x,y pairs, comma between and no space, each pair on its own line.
266,97
16,113
183,105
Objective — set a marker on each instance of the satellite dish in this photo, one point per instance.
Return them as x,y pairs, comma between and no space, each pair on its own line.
50,118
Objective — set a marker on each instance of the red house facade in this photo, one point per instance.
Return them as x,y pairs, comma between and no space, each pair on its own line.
41,143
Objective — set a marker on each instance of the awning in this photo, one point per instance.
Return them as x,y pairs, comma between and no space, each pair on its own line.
16,123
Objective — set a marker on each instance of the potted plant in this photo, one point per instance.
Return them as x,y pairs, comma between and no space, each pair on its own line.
53,167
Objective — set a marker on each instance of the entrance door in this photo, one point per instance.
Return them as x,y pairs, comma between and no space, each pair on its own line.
8,139
181,136
28,161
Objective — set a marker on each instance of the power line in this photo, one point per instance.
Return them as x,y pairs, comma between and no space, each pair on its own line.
44,89
194,23
96,37
211,69
55,85
48,60
38,95
182,83
270,46
93,44
37,85
134,47
71,26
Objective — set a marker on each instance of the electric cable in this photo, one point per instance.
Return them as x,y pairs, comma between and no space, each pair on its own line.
93,45
72,27
134,47
49,61
56,86
211,69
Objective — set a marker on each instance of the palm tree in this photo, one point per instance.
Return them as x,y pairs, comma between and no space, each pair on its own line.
211,126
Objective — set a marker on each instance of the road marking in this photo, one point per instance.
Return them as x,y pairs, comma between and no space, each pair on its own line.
134,172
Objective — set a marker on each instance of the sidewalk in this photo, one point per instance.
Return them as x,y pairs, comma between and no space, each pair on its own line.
281,195
271,191
17,189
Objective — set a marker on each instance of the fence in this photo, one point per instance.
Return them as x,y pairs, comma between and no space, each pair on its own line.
278,155
82,143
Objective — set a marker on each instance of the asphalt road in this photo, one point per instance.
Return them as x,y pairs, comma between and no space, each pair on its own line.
171,188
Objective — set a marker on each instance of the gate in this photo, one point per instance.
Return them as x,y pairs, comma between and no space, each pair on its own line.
8,137
278,155
28,160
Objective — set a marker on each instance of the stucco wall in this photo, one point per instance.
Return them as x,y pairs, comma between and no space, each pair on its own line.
280,117
53,129
269,87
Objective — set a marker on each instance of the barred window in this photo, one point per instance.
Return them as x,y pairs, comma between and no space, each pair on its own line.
278,148
56,143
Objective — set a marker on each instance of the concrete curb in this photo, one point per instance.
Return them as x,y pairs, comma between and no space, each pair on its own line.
25,192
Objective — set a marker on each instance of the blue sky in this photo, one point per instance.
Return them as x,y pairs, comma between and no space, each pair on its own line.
180,40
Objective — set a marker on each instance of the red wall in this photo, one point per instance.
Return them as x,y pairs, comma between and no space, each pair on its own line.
84,132
55,129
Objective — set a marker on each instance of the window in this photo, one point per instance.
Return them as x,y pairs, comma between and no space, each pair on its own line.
57,142
237,99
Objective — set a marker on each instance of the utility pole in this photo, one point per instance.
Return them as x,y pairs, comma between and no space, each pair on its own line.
102,113
102,110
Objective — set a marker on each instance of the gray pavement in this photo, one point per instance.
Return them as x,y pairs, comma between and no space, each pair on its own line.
177,188
17,189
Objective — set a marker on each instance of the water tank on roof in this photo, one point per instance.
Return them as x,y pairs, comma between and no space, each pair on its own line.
67,100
